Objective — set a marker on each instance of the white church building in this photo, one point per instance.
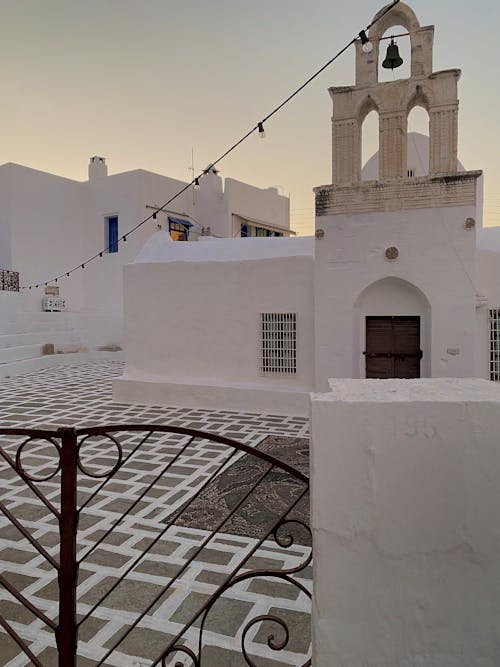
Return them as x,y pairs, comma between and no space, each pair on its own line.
399,281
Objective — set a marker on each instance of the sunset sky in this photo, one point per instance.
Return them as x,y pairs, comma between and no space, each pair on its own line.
143,82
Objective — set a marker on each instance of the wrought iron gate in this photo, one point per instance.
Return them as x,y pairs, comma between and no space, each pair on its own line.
271,503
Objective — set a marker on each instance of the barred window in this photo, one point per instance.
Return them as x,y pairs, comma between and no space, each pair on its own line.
495,344
279,343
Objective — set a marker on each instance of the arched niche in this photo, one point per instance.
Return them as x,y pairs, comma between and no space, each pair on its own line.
368,122
404,46
388,297
418,135
421,39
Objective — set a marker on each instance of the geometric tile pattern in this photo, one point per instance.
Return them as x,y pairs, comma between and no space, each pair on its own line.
80,395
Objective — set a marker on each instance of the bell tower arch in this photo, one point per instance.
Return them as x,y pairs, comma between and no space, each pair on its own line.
393,100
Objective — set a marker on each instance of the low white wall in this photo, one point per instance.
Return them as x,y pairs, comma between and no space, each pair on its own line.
198,323
405,517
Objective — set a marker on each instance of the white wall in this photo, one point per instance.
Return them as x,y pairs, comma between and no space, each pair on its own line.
405,505
5,222
198,322
261,205
126,195
46,232
436,258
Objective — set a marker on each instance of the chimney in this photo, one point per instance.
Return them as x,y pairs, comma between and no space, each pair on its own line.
97,167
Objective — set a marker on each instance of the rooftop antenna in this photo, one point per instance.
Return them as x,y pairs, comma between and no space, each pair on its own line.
192,170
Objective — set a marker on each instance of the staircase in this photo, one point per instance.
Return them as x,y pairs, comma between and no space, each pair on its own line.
30,341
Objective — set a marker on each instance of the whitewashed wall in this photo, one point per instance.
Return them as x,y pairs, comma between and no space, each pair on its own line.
256,204
198,324
44,213
405,505
126,195
436,263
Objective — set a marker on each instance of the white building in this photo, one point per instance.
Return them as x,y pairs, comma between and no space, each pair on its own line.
393,285
50,225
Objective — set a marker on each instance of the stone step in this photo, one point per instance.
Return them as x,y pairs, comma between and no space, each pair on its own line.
20,352
50,360
37,326
40,337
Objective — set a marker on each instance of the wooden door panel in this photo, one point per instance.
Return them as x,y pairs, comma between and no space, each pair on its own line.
393,347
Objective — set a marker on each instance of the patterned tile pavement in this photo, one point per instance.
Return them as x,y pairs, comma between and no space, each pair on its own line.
81,396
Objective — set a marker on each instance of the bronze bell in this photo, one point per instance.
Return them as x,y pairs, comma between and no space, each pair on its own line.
392,58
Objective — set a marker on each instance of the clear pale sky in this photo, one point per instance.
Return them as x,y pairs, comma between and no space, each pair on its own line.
142,82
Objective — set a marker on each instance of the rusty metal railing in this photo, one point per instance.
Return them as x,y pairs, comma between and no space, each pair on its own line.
70,464
9,280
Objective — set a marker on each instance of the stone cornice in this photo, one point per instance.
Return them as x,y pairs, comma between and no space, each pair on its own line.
451,189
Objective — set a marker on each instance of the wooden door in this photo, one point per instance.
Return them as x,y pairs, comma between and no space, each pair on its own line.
393,347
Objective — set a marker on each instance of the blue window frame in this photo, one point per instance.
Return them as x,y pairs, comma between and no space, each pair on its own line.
112,233
178,228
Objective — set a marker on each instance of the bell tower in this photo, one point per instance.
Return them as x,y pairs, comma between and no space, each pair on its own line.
393,100
400,246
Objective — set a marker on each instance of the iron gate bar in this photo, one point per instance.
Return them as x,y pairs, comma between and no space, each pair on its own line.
24,601
104,482
69,464
232,580
66,633
28,536
134,504
157,539
203,435
181,571
10,631
30,484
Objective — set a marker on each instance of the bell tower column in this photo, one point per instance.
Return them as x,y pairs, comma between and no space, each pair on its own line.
443,126
345,144
392,144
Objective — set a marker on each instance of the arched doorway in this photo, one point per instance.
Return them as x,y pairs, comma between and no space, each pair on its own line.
392,331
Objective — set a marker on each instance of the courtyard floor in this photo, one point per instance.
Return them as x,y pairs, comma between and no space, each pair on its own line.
80,396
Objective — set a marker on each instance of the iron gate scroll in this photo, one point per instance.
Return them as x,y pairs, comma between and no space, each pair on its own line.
82,454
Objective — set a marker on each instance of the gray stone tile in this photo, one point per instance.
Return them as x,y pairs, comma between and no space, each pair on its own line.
227,616
207,555
299,626
274,588
130,594
191,605
141,642
222,657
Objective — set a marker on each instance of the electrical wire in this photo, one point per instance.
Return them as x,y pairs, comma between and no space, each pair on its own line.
257,128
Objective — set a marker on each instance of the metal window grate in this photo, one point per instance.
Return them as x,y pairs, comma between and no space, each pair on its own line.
279,342
495,344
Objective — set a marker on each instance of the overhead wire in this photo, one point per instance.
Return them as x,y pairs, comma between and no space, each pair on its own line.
259,127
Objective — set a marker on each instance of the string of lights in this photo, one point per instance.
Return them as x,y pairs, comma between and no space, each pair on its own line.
259,127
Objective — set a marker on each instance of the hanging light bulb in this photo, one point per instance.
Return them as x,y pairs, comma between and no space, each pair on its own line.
100,254
124,239
196,184
83,266
366,45
262,132
154,215
67,275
